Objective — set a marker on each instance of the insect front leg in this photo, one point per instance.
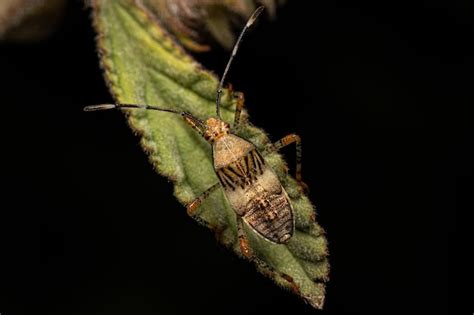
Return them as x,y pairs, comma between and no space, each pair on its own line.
194,123
248,253
239,96
283,142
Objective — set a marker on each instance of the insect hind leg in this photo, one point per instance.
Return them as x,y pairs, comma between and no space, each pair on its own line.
248,253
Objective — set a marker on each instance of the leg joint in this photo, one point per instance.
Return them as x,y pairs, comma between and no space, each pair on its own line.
290,139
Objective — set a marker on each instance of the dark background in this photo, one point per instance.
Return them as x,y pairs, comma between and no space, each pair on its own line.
381,95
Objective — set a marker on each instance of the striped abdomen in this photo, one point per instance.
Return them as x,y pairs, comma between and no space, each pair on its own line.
253,189
243,172
271,216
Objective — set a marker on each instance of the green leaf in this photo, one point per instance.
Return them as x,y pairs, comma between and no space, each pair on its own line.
143,65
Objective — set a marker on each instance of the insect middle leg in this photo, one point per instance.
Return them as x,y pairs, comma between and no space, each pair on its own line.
196,203
283,142
248,253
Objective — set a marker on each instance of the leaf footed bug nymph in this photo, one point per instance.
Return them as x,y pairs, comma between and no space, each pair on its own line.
249,184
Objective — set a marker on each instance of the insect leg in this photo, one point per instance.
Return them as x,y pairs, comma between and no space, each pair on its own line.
193,205
238,109
248,253
283,142
243,241
194,123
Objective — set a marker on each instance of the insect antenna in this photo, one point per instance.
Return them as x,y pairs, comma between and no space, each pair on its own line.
250,21
92,108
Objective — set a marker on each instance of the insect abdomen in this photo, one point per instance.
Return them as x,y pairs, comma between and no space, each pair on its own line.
272,217
253,189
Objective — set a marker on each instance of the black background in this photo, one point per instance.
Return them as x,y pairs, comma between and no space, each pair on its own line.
380,93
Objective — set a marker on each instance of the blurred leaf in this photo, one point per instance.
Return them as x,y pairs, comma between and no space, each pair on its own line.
29,20
143,65
194,21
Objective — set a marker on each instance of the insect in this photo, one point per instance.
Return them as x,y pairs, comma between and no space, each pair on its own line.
251,187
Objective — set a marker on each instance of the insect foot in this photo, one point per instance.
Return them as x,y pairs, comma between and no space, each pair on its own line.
302,187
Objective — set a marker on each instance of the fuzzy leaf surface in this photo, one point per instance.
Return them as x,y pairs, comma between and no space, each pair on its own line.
143,65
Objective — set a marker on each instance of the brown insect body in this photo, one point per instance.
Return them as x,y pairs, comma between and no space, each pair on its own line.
251,187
